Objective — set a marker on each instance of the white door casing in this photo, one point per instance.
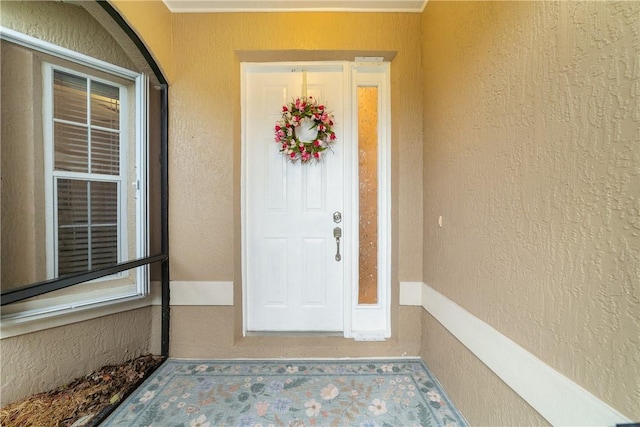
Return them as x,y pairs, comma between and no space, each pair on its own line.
291,281
372,322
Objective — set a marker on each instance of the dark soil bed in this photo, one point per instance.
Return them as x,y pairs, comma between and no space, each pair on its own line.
85,401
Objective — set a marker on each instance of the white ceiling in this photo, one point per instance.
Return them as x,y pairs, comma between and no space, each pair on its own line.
183,6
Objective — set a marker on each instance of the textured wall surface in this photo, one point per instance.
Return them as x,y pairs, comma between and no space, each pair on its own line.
205,117
532,157
47,359
190,339
151,20
205,124
65,25
22,258
482,397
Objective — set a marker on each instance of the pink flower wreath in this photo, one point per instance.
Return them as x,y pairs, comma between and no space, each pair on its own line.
305,130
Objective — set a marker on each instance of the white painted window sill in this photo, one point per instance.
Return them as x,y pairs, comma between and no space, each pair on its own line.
26,325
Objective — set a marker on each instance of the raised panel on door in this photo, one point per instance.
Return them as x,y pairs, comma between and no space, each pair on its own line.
313,272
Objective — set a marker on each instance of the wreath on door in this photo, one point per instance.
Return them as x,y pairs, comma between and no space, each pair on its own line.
305,130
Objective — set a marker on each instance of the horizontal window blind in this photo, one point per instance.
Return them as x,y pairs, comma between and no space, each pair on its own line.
86,172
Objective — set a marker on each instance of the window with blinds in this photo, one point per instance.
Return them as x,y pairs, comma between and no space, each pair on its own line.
87,172
87,180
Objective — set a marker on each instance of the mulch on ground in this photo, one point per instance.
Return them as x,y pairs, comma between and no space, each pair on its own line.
85,401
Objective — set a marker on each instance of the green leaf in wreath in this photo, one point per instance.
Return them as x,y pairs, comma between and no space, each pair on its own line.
242,397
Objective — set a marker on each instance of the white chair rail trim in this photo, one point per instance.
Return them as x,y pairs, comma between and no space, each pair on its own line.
558,399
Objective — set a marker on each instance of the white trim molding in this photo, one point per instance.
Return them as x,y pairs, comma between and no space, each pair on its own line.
559,400
207,6
194,293
411,293
370,322
12,328
67,54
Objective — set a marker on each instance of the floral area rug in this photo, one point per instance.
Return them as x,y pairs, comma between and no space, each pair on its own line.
292,393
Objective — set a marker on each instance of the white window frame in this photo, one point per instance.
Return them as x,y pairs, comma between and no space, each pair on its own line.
51,175
372,322
15,315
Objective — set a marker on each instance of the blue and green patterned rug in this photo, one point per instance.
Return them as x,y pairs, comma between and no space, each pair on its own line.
292,393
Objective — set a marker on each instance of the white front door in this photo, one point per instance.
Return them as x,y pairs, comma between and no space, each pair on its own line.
293,280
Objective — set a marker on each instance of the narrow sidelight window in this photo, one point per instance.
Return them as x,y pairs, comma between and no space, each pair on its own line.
368,193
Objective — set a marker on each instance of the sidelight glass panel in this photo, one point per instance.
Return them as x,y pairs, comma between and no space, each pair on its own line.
368,193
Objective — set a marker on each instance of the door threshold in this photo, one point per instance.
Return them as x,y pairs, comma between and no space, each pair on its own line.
295,334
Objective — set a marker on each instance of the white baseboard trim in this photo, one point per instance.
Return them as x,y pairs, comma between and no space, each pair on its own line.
411,293
194,293
558,399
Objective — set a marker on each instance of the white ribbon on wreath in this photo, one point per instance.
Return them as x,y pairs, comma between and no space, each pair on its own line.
305,130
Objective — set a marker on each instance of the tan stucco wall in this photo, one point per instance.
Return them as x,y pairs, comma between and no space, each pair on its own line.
39,361
205,125
47,359
482,397
531,156
190,339
151,20
22,196
65,25
205,141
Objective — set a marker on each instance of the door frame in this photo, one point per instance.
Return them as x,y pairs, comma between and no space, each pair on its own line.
361,322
